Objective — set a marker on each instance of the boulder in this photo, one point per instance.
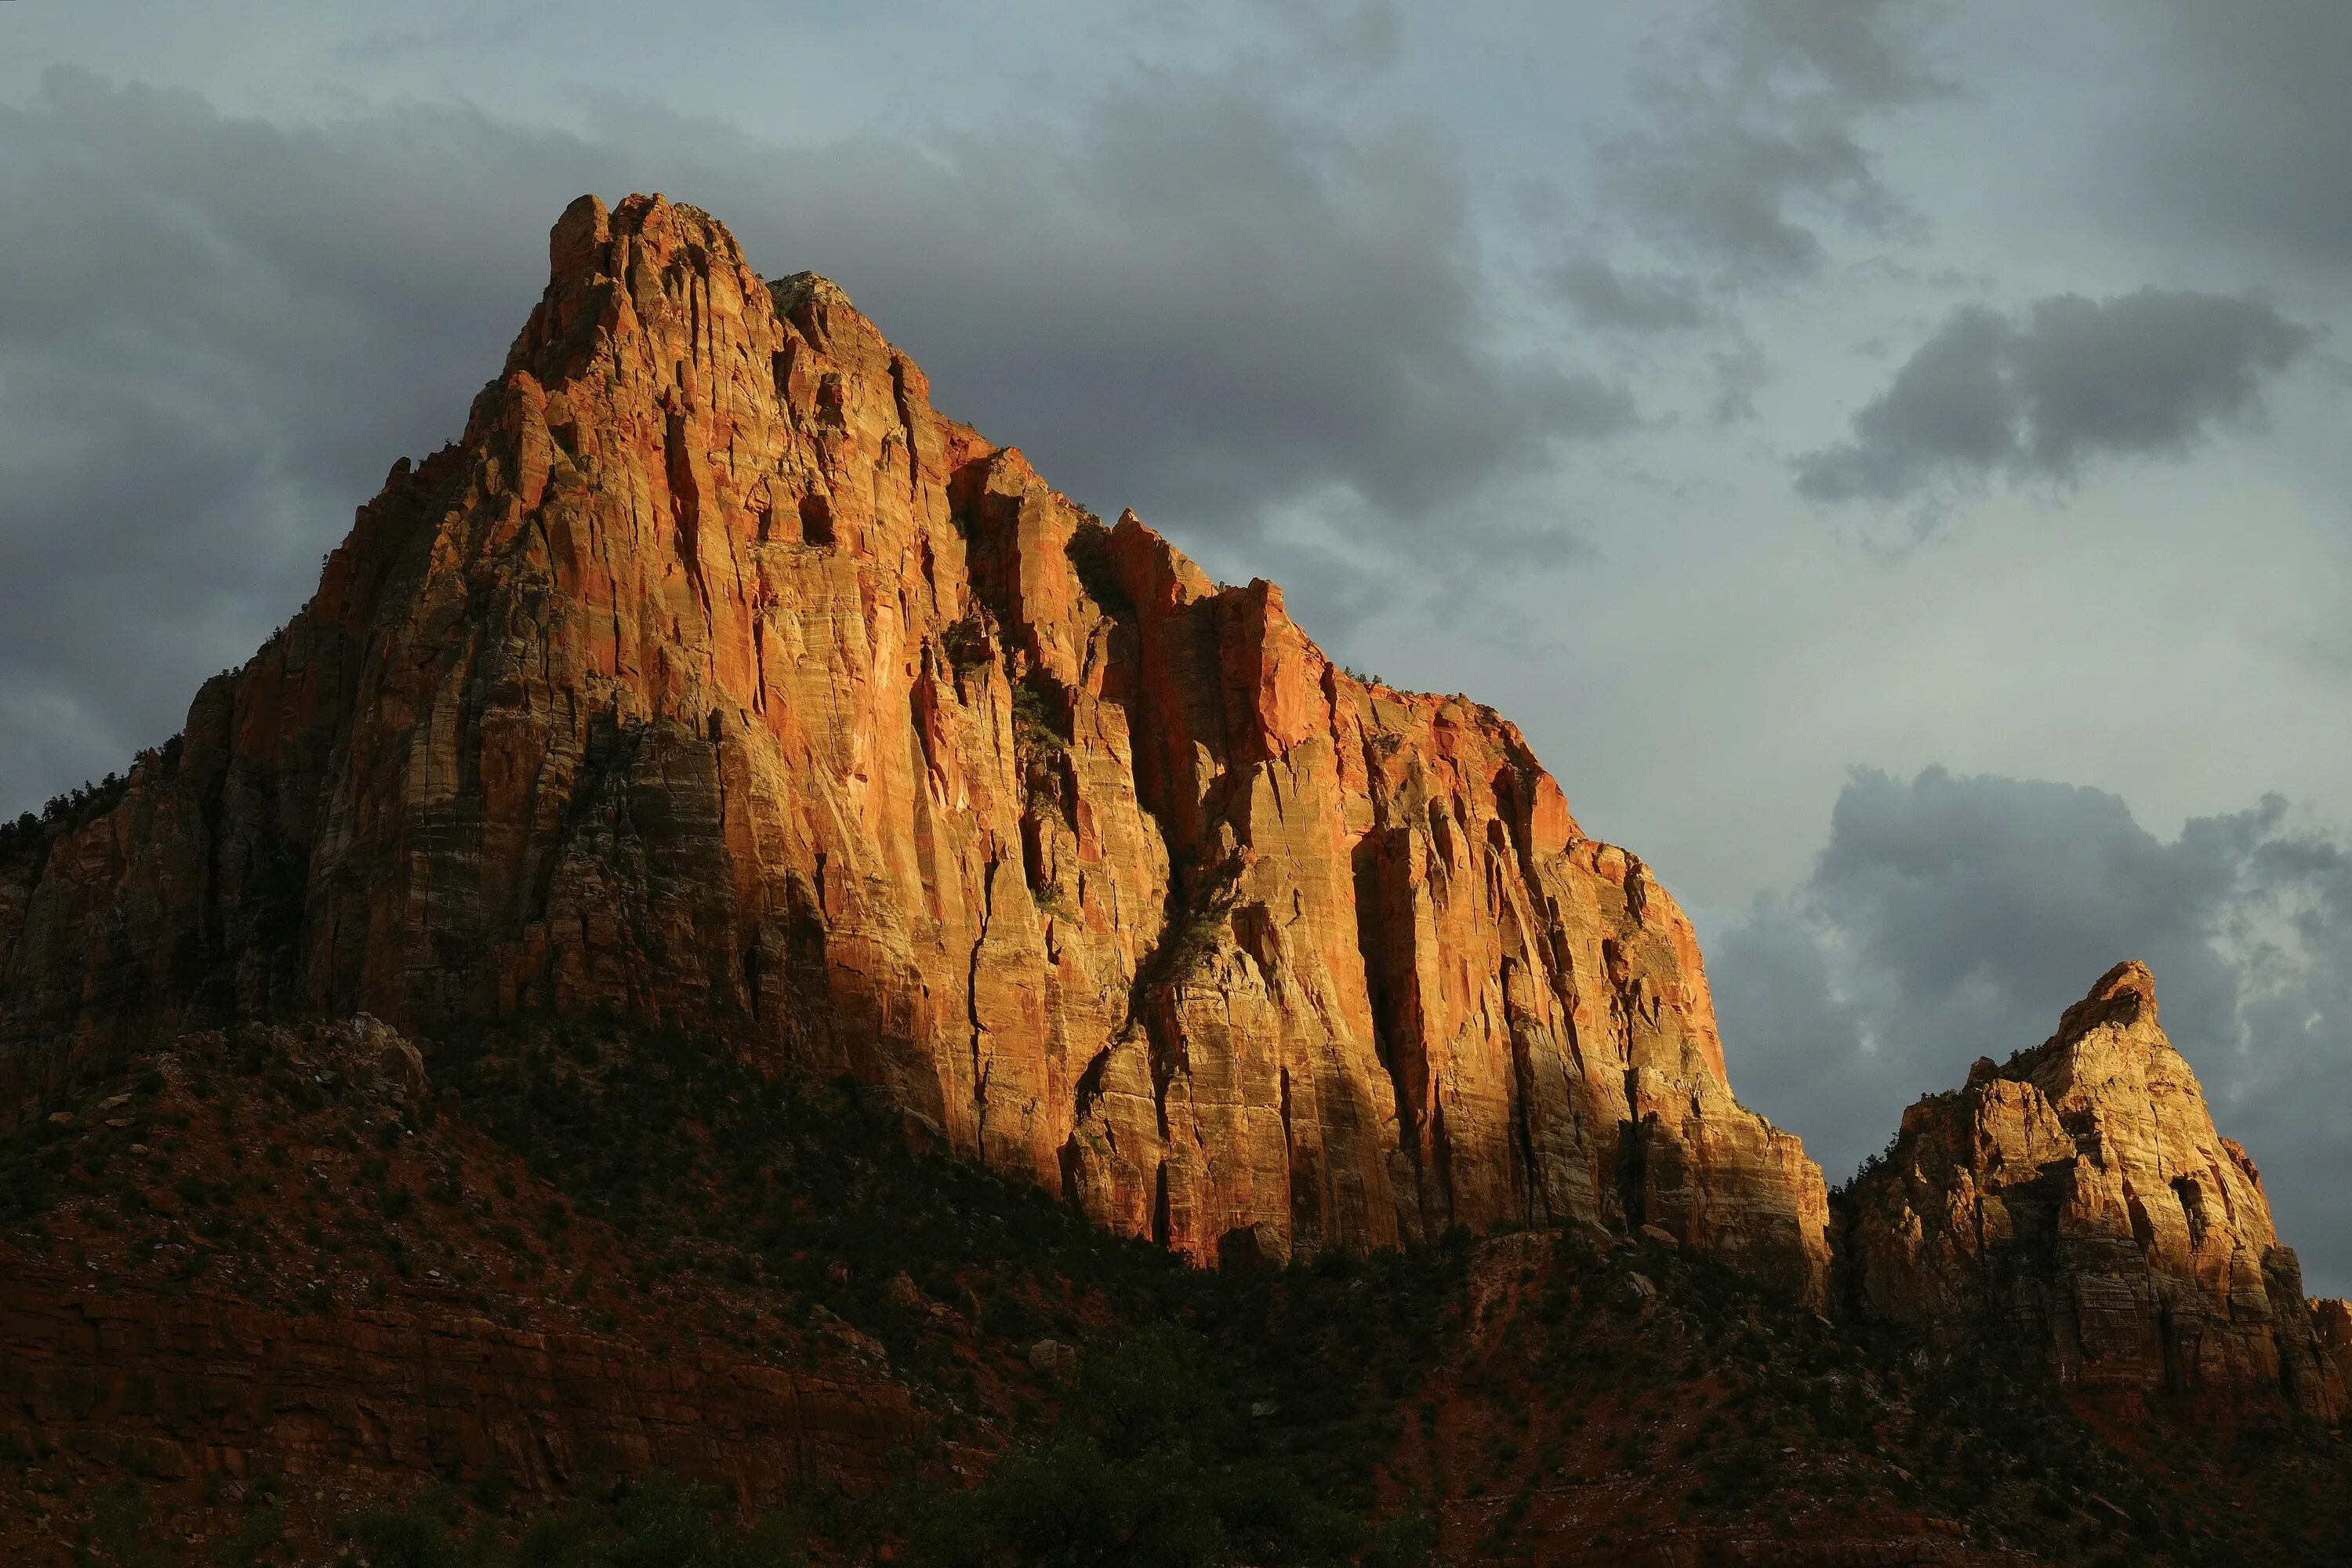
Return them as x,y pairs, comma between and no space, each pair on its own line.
1052,1356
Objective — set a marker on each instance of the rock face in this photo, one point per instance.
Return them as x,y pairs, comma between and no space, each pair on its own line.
2331,1322
2077,1200
714,680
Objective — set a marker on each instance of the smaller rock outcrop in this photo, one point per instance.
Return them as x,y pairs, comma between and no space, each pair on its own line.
2331,1323
2078,1200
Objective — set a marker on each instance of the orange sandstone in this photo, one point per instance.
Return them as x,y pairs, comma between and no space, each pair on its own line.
2078,1202
715,680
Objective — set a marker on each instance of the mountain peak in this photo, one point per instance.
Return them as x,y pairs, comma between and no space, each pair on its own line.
578,242
2123,996
801,291
716,682
2083,1191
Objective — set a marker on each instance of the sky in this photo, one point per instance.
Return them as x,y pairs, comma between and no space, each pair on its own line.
1886,455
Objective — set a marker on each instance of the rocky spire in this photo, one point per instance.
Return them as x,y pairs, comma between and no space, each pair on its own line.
2077,1200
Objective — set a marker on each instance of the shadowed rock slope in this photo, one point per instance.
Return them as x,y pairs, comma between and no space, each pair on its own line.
2076,1202
715,681
270,1294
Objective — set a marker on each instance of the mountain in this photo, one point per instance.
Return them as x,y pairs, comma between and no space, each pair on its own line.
741,936
2076,1203
714,680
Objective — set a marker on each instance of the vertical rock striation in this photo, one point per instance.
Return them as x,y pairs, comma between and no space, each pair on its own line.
2331,1322
2077,1200
714,680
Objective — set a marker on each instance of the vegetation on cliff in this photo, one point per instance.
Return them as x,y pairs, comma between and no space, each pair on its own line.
1543,1395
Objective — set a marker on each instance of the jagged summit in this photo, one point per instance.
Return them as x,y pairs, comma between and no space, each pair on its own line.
2079,1201
796,290
2123,996
716,682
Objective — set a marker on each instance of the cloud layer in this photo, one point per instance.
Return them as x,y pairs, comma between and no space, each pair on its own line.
1950,917
2247,136
1752,136
220,332
2039,396
217,336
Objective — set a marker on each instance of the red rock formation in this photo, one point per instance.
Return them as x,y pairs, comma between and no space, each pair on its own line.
2078,1200
2331,1326
715,680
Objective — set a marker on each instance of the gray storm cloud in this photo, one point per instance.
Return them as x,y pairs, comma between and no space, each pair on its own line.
220,332
1950,917
218,335
1649,299
2244,140
1752,137
2039,395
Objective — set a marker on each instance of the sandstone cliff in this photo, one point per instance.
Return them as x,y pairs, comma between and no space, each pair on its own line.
2331,1322
715,680
2077,1201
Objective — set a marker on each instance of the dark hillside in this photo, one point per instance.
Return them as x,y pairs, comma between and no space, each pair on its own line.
678,1300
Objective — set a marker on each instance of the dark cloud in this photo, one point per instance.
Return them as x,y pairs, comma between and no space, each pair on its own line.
1865,54
1949,410
1950,917
1353,37
1748,146
1752,136
2244,132
1739,374
1198,304
2144,375
219,333
216,337
1651,300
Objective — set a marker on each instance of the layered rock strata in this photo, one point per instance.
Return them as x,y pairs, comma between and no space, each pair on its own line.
714,680
2077,1200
